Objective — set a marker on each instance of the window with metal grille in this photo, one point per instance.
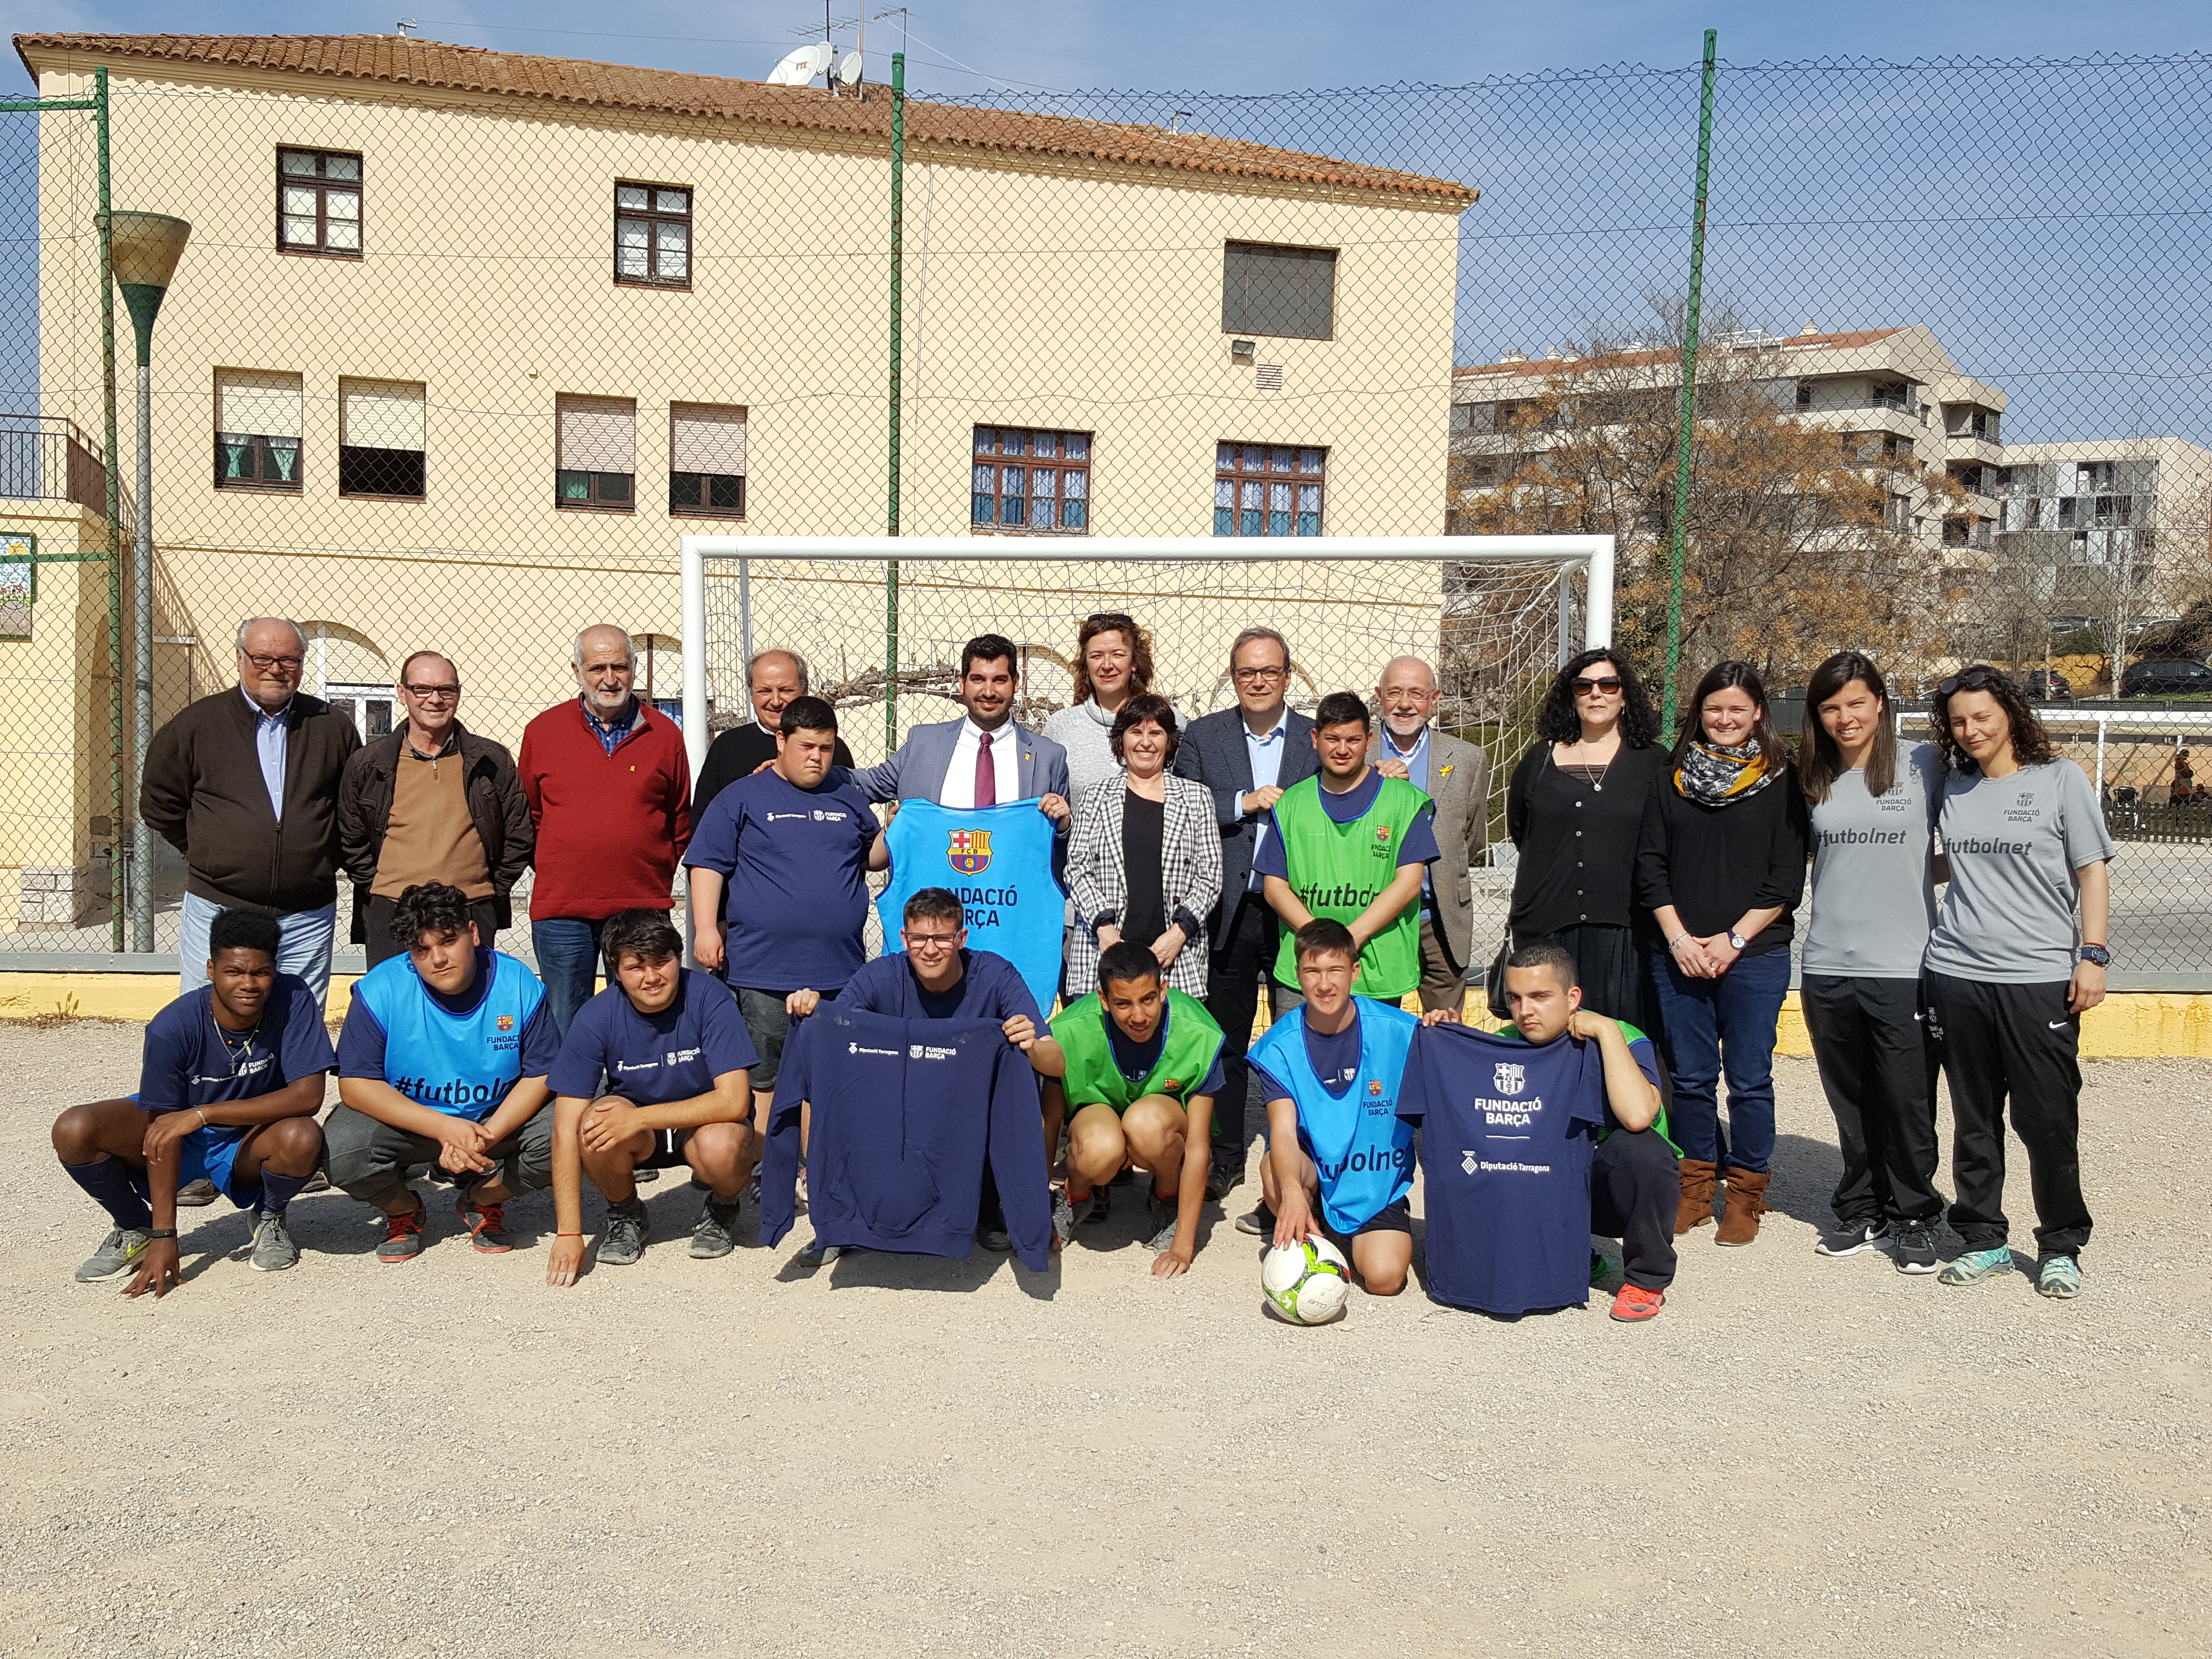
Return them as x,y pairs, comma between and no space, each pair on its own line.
597,442
1289,292
1027,479
381,438
256,429
318,202
706,460
1268,490
652,234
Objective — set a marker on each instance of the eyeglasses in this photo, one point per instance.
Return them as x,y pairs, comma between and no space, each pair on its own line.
1608,683
273,665
433,693
930,941
1972,679
1258,675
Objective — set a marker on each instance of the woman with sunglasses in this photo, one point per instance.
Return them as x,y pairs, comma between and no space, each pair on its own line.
1872,903
2009,974
1720,866
1574,810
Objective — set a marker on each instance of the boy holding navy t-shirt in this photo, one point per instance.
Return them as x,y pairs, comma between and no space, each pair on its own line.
793,847
1330,1075
677,1062
232,1081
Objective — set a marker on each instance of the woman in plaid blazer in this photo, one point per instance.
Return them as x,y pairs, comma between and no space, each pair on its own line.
1143,858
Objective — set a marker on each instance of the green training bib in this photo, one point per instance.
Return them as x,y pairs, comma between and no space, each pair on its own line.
1338,870
1193,1044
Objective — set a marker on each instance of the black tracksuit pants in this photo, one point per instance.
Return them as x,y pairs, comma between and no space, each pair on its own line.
2015,1041
1878,1066
1237,976
1636,1189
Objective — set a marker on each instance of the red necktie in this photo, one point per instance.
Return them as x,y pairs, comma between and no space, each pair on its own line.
986,775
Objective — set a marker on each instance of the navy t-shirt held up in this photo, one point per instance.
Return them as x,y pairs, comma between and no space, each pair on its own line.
796,863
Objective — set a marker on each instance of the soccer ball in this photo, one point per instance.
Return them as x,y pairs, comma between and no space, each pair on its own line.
1309,1283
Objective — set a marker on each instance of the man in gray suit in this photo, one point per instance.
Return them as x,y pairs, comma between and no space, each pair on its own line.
1456,775
1247,756
983,759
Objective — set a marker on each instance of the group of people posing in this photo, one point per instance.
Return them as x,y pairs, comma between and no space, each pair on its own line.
1319,859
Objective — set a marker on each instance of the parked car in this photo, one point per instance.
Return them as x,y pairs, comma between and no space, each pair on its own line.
2170,677
2048,685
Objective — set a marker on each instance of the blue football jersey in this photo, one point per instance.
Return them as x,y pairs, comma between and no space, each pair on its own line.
1507,1133
1361,1148
998,861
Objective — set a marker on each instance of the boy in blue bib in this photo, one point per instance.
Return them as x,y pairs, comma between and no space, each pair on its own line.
232,1081
1330,1072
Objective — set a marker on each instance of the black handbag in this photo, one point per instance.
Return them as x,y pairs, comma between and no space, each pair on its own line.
1494,982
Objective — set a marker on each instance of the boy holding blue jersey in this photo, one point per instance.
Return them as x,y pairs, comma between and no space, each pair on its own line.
673,1051
442,1059
1329,1074
228,1092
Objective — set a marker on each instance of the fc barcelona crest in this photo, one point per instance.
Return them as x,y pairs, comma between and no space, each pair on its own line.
1510,1078
969,852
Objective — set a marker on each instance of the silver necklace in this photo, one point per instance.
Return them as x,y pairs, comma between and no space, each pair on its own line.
243,1051
1598,782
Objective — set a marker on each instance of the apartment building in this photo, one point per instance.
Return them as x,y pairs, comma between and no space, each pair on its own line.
2110,527
463,341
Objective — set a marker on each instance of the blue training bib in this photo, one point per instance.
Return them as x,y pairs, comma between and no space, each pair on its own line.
461,1065
1363,1149
998,861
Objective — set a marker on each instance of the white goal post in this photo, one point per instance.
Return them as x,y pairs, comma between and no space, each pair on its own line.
1505,609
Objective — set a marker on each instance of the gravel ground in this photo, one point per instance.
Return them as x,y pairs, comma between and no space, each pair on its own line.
899,1456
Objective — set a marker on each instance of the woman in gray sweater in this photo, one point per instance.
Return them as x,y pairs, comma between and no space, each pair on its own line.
1112,664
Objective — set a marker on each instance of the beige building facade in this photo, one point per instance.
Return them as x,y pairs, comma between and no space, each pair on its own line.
463,342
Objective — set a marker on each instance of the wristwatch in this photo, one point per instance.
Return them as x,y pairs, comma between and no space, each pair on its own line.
2097,955
1737,940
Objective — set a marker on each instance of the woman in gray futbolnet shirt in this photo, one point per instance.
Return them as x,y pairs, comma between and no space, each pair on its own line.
1873,801
2009,976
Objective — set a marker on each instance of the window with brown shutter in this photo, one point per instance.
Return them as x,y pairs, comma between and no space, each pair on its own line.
256,429
706,460
598,443
652,234
318,202
381,438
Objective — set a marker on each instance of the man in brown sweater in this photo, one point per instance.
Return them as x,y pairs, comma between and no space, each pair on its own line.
245,784
432,802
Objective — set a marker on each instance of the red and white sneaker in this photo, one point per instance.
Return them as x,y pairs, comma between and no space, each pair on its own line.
487,1225
1635,1305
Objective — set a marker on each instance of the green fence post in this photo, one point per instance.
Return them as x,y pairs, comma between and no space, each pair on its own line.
898,344
115,905
1678,526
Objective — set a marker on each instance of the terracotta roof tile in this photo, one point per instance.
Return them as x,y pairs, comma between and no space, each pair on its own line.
1523,367
396,62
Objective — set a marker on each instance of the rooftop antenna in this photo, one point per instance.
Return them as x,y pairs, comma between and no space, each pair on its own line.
405,24
1175,118
899,12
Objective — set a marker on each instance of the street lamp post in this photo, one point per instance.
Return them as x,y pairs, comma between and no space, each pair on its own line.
146,248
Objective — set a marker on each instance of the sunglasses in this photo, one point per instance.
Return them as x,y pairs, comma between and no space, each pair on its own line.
1973,679
1589,688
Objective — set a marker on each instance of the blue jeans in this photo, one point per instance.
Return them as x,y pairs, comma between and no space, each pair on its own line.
567,950
305,939
1712,1026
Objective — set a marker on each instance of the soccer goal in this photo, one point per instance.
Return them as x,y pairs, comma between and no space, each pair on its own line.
880,620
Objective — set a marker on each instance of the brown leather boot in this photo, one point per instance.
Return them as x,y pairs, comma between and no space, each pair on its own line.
1746,1202
1696,1196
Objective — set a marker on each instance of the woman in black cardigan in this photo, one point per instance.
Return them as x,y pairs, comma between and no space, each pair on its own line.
1721,868
1575,810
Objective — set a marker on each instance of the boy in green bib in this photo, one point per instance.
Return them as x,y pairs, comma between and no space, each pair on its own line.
1350,845
1137,1068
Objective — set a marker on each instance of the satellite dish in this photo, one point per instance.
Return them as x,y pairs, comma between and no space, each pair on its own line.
848,72
796,70
823,54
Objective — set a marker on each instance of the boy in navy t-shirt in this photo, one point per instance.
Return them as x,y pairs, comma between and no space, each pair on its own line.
794,848
1339,1159
676,1060
232,1079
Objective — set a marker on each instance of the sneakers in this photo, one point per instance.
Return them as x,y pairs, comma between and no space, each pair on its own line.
1635,1305
195,1194
117,1255
1094,1209
1859,1236
1260,1223
1914,1252
645,1175
1221,1178
624,1238
403,1236
817,1251
317,1182
2058,1277
486,1224
1600,1267
1063,1218
1976,1266
273,1249
993,1235
715,1235
1164,1216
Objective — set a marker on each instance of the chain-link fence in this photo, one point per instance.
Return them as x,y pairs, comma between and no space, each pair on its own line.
463,342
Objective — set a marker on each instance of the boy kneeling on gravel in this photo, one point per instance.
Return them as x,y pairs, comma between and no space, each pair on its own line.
228,1089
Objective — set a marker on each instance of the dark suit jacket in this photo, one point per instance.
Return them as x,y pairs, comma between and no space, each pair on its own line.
1213,753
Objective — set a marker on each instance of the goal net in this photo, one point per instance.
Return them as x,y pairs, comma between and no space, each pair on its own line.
880,621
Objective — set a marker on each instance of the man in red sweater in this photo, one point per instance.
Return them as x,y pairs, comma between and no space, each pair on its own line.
609,793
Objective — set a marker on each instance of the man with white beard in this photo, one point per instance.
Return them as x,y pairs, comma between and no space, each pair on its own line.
1456,775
